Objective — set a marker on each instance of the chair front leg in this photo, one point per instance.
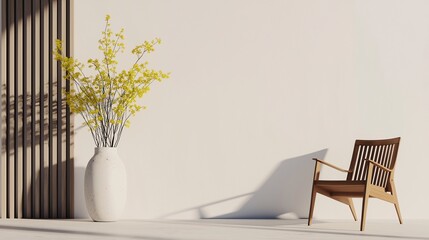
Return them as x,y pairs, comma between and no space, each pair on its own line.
316,175
370,169
398,211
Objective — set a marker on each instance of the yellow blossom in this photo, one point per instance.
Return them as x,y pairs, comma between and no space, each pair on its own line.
107,99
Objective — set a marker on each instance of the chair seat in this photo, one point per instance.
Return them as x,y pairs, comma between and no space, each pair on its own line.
338,187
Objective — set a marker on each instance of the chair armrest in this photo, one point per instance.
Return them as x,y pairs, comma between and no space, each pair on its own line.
379,165
331,165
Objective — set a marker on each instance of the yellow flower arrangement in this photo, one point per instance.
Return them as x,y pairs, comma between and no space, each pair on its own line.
107,99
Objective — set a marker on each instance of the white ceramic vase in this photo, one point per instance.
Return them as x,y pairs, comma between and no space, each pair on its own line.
105,185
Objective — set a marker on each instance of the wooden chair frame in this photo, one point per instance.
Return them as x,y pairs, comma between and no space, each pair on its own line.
370,174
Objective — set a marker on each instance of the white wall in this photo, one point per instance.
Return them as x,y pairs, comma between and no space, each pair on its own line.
257,89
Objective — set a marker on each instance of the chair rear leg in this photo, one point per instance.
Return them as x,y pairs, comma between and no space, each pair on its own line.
346,200
352,208
313,200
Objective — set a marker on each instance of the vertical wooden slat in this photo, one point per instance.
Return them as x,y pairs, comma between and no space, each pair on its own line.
36,98
32,100
12,116
9,107
53,108
18,109
27,110
4,113
24,108
69,119
46,108
62,115
49,110
33,111
42,129
59,113
44,113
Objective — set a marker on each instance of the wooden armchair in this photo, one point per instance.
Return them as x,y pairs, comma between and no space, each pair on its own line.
370,175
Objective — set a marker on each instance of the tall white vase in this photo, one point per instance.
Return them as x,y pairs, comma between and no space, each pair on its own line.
105,185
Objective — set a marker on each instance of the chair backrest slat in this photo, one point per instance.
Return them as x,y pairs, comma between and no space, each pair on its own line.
378,172
359,164
386,160
383,152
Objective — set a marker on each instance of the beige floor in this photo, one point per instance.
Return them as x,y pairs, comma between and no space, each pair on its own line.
210,229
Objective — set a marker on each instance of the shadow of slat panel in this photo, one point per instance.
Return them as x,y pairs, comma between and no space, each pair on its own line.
36,169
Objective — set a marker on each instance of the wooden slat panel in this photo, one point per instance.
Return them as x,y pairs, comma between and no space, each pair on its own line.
36,170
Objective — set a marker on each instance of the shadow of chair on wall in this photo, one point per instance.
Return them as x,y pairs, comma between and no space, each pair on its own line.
285,193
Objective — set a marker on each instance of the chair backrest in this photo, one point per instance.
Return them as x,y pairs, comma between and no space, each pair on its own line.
382,151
